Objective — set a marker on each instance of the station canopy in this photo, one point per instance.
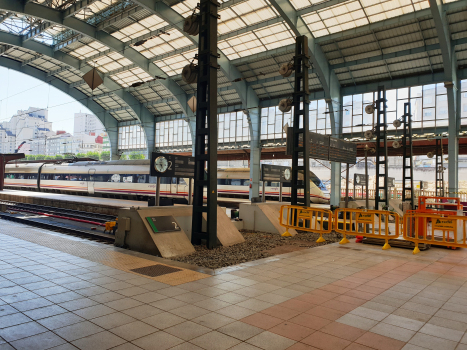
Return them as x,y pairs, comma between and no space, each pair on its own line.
362,41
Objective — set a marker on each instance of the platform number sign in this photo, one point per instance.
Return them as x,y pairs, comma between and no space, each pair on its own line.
171,165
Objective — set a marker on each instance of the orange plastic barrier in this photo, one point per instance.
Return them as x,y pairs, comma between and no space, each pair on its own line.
381,224
306,219
436,229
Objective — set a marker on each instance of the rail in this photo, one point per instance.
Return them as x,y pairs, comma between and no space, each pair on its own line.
380,224
438,229
307,219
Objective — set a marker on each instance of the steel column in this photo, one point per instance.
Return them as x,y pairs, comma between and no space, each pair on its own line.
439,168
301,123
381,150
407,160
255,151
206,128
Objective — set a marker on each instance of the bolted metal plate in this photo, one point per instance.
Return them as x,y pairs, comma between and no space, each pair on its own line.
155,270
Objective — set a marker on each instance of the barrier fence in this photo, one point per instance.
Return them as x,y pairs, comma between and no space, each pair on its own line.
305,219
437,229
381,224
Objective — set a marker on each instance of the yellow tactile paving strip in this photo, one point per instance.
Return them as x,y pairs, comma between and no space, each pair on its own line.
103,255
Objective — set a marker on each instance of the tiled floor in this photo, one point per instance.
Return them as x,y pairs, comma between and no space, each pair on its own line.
66,293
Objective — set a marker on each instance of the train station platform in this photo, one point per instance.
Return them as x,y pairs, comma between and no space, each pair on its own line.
61,292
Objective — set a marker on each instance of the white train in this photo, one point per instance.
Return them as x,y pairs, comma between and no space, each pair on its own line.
129,179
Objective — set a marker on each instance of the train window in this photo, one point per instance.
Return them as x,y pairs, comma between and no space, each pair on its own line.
286,184
166,180
141,179
115,178
174,181
182,182
127,178
274,184
222,182
236,182
152,179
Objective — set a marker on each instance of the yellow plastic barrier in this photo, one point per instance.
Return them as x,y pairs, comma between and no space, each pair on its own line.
381,224
437,229
306,219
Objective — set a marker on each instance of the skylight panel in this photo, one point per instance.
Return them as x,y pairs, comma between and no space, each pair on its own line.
131,76
144,26
111,62
95,8
88,50
300,4
164,44
379,10
173,65
185,8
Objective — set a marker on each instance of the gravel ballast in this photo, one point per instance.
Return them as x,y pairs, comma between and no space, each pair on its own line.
257,245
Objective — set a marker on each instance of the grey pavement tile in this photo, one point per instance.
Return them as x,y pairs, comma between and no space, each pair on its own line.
133,330
143,311
414,315
172,291
357,321
7,310
78,330
236,312
50,290
127,346
123,304
79,285
451,315
425,309
189,312
232,298
369,313
44,312
163,320
63,297
153,285
271,341
379,307
13,320
240,330
115,286
394,332
11,290
186,346
433,343
6,346
215,341
21,331
17,297
191,297
77,304
168,304
132,291
255,304
60,321
442,332
148,297
39,285
90,291
162,339
113,320
187,330
106,297
403,322
41,341
100,341
7,284
212,304
213,320
94,311
451,324
272,298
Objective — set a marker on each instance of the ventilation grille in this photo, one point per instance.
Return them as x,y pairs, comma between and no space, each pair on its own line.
155,270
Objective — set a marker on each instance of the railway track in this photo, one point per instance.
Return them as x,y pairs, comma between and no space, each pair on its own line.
72,222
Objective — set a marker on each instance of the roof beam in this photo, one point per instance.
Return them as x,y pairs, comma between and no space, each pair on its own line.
77,7
52,15
6,16
118,17
36,31
25,63
247,95
64,43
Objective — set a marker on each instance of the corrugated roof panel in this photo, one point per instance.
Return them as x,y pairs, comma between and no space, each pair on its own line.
402,47
362,55
356,41
360,73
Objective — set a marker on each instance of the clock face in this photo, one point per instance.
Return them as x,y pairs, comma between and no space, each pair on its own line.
287,174
161,164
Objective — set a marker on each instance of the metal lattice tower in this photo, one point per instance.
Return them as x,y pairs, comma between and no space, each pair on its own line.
381,150
301,123
206,128
439,168
407,160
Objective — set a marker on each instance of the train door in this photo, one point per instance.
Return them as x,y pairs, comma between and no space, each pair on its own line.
91,172
174,185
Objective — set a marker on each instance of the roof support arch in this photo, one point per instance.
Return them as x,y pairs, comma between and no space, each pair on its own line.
58,17
145,117
110,124
452,84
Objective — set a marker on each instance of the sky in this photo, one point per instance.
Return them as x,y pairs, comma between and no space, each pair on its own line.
19,91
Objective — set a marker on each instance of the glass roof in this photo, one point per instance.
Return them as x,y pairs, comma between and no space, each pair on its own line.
244,14
185,8
353,13
164,43
139,28
111,62
91,49
256,41
173,65
95,8
131,76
